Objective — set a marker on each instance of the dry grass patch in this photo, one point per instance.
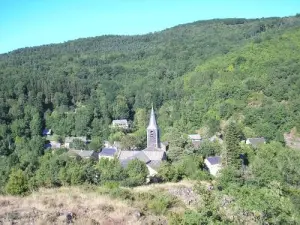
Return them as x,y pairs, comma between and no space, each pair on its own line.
51,206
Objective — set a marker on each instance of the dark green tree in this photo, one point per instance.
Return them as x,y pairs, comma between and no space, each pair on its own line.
232,146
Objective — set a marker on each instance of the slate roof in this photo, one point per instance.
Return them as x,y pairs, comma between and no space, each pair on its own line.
152,158
127,154
154,154
256,141
214,160
108,152
195,137
84,153
155,164
120,123
152,123
46,132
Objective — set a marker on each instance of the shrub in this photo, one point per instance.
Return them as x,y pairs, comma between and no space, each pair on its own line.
17,183
160,204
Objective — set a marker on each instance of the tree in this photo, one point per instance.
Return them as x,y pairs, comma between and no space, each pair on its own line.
36,125
17,183
120,109
232,145
137,173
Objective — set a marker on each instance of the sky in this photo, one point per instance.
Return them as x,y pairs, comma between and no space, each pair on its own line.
26,23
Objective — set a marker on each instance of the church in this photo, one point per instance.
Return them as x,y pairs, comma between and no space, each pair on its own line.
153,154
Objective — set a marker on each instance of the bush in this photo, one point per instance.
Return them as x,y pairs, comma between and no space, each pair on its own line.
17,183
160,204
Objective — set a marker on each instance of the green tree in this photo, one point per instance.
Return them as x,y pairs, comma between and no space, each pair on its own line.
137,173
232,145
36,125
17,183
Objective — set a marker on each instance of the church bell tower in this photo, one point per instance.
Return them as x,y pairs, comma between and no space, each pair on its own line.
153,132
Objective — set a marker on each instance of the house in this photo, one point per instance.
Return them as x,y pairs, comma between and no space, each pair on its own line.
47,132
213,163
108,152
85,154
69,140
196,139
120,124
153,154
53,145
255,142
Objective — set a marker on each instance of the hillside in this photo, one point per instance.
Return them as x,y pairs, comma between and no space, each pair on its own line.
233,78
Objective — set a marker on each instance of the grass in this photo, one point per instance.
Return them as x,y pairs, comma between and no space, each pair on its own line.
108,204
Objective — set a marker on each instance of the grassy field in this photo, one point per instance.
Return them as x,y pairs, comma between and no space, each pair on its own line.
98,205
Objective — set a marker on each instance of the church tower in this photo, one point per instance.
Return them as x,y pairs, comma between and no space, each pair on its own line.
153,132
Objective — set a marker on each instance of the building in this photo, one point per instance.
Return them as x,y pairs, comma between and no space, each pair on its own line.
108,153
47,132
85,154
255,142
53,145
153,155
196,139
213,164
120,124
69,140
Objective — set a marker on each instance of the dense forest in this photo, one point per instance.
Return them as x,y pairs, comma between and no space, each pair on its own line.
205,77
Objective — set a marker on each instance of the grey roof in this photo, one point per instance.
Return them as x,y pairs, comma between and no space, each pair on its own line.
108,152
120,122
154,164
127,154
195,137
142,157
83,153
71,139
213,160
256,141
155,154
152,123
152,158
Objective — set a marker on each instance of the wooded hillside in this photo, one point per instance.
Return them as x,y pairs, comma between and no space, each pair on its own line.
200,77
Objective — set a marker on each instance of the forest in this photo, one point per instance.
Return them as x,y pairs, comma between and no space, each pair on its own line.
237,77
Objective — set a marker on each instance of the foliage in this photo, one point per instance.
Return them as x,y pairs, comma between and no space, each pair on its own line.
137,173
160,204
232,145
17,183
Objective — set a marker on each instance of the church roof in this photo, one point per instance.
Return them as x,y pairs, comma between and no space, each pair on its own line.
151,157
108,152
152,122
155,154
154,164
127,154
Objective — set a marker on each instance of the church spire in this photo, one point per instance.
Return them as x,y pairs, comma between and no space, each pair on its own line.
153,132
152,122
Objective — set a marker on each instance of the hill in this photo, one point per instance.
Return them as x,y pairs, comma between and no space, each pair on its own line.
236,78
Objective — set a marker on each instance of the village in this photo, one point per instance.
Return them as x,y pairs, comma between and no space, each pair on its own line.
153,155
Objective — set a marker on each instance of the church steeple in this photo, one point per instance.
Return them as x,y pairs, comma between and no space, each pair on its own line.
152,122
152,132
